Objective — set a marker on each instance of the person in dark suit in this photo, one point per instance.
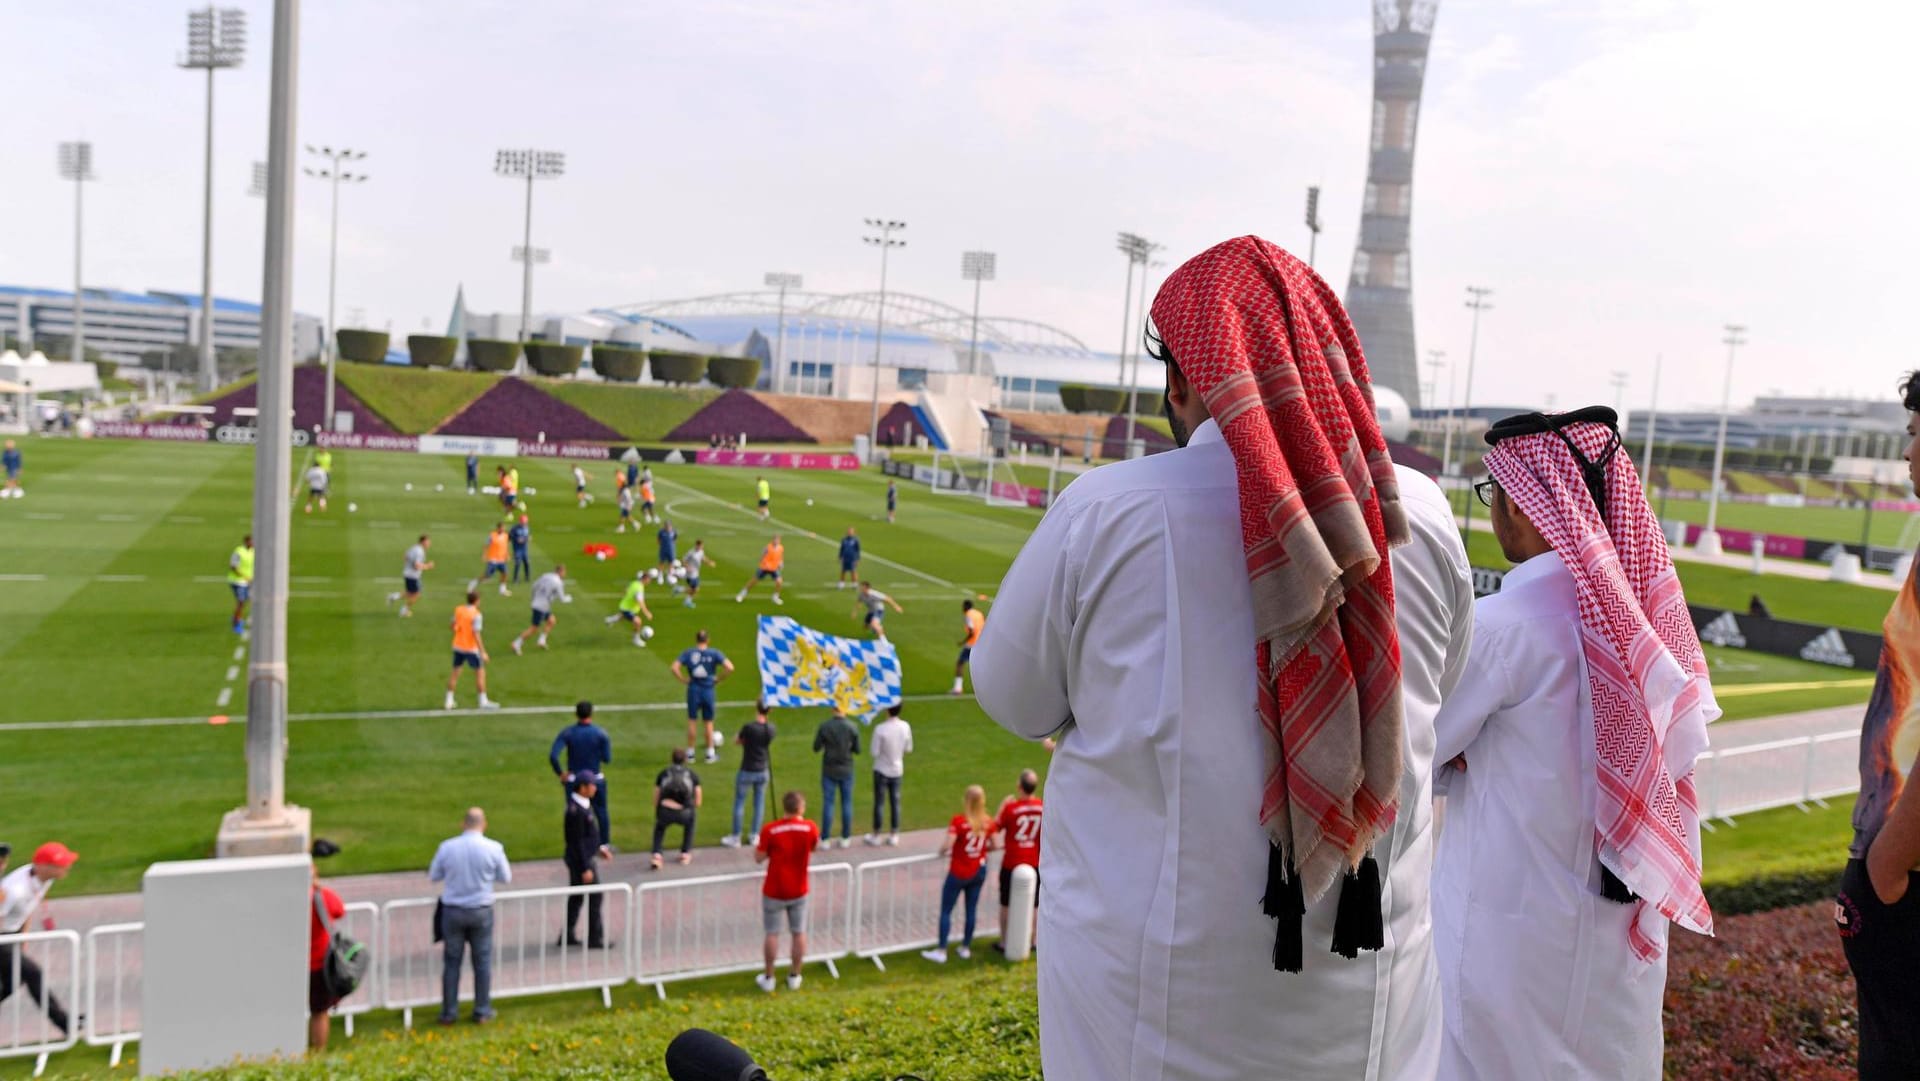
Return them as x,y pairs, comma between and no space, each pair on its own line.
583,848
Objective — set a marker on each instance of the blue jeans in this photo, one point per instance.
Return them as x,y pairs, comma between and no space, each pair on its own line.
830,787
950,891
741,782
462,929
889,789
522,564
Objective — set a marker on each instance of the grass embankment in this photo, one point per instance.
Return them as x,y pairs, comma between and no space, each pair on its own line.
413,400
642,414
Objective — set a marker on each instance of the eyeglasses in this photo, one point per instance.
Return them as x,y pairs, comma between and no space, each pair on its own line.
1485,490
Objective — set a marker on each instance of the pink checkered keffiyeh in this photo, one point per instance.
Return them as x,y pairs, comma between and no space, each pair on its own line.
1268,347
1651,697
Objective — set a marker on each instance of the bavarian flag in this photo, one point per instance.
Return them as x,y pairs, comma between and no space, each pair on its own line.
800,666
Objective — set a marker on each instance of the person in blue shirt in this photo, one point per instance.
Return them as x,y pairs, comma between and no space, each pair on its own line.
10,461
849,559
633,474
473,474
589,749
700,668
520,535
669,549
893,500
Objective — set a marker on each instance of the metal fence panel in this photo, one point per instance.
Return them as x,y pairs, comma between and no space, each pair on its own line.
900,905
712,926
25,1028
1778,773
114,985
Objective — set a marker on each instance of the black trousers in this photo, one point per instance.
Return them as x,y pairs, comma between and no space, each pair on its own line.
1882,943
31,978
887,788
596,931
664,817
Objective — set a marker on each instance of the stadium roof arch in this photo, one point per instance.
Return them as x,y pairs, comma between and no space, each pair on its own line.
905,313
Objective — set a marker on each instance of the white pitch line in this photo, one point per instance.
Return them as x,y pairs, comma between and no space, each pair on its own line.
233,672
208,579
120,577
226,695
42,516
404,714
23,577
239,653
114,517
184,519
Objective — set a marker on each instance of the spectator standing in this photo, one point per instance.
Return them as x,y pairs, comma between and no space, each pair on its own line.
583,848
676,802
893,500
469,864
320,997
969,839
10,461
837,742
849,559
473,474
892,741
520,536
756,765
786,848
22,892
589,750
1019,824
701,667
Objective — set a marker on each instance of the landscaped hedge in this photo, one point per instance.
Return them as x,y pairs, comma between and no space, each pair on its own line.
734,373
1073,397
618,364
1779,889
670,367
432,350
362,346
554,358
1078,398
491,355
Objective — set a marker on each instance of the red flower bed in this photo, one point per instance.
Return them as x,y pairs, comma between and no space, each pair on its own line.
1770,999
517,408
309,404
734,413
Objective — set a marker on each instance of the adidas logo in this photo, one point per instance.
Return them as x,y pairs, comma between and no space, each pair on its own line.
1724,632
1487,581
1829,648
1832,552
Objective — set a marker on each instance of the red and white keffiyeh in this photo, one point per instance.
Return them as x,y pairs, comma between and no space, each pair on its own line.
1268,347
1652,700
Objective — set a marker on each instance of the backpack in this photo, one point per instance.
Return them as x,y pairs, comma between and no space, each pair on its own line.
347,960
677,785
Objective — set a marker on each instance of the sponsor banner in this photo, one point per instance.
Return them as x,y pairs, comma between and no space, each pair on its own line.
243,434
463,445
177,433
594,452
362,441
777,459
1740,540
1786,499
1486,581
1019,493
1808,641
1897,506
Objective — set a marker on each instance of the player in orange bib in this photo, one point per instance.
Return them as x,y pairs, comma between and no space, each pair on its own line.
469,651
497,555
976,621
771,562
647,513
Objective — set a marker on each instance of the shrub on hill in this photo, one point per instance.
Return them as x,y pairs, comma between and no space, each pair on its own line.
432,350
1073,397
1078,398
671,367
362,346
491,355
554,358
734,373
618,364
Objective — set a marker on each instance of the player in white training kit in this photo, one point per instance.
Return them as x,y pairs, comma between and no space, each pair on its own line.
549,587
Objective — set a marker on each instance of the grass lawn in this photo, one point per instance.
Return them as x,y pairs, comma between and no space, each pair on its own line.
413,400
1844,524
1033,474
643,414
1781,840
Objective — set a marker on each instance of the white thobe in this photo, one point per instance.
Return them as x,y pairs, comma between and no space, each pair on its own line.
1129,614
1536,974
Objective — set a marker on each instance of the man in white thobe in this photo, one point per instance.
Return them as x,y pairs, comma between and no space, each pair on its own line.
1128,618
1539,975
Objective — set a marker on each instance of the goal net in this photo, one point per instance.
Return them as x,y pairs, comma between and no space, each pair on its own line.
987,479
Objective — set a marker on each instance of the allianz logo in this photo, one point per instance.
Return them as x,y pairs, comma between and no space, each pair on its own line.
1829,648
1724,632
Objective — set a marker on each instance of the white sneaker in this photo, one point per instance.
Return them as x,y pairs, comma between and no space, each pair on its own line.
731,840
937,956
965,953
406,613
505,592
392,597
516,648
893,839
611,620
739,598
639,641
871,839
793,981
541,642
753,841
488,703
450,702
777,600
713,755
764,982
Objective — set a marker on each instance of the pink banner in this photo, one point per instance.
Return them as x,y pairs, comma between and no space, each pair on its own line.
1740,540
1019,493
776,459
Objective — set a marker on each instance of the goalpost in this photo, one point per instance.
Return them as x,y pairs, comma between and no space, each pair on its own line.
986,476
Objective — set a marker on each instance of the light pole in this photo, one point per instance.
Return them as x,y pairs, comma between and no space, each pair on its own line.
1709,537
1136,248
976,267
782,282
1437,360
216,38
258,189
529,165
1653,418
886,227
333,172
1133,382
76,164
1313,222
1476,303
1619,381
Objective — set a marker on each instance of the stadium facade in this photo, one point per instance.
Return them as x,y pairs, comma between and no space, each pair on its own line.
128,327
1380,286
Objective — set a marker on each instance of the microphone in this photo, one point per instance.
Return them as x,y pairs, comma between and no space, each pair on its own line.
699,1055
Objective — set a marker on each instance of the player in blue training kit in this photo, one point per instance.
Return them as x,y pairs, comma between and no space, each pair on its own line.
700,668
849,559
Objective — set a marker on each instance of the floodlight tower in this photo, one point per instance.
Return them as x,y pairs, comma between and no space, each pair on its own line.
782,282
886,227
529,165
976,267
76,164
216,38
1380,288
334,171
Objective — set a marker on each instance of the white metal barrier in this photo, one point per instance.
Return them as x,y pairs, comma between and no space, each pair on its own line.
712,926
25,1028
114,972
362,923
1778,773
530,954
899,906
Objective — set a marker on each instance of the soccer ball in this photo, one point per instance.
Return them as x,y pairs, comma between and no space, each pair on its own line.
809,502
646,632
600,557
409,486
679,566
352,507
439,487
718,741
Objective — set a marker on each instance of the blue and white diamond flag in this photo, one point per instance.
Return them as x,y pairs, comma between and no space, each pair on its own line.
800,666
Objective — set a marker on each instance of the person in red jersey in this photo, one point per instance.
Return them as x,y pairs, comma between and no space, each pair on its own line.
969,839
1019,822
786,847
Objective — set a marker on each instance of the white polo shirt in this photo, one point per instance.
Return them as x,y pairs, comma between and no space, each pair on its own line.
24,891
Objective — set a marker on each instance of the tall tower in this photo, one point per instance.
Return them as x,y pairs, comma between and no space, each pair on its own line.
1380,289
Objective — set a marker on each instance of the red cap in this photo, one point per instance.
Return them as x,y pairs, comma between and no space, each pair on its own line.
55,853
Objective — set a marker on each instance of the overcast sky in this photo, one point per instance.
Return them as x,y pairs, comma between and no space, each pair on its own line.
1626,176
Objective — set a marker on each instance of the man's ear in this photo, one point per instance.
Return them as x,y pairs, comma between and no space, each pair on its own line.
1178,392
